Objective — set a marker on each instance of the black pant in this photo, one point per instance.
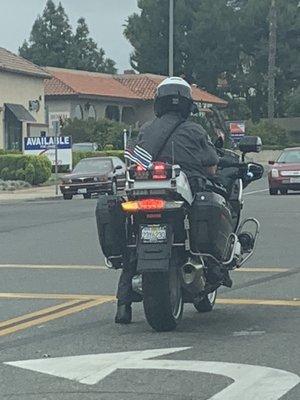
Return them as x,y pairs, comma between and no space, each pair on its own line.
125,294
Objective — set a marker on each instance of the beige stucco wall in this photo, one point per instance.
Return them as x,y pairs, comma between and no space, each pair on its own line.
20,89
68,105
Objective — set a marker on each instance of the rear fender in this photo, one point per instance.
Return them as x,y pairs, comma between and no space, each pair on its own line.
155,257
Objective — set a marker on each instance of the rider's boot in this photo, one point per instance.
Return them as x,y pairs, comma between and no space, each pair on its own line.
124,313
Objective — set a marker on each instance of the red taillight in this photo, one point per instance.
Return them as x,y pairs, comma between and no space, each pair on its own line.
159,171
141,173
144,205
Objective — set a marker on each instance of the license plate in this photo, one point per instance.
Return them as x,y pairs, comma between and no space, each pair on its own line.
82,191
154,233
295,180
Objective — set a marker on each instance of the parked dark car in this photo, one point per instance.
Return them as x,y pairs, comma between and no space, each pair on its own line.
285,172
94,175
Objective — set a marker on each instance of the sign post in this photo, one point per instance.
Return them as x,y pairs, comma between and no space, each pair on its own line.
56,132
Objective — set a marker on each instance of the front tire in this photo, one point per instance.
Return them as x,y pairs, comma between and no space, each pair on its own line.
87,196
273,192
206,304
67,196
163,301
283,192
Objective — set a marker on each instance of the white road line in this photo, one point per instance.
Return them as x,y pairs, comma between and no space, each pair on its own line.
256,191
250,381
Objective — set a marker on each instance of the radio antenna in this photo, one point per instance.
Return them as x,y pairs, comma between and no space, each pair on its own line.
173,154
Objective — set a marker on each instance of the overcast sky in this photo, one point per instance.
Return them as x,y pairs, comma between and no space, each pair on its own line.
104,17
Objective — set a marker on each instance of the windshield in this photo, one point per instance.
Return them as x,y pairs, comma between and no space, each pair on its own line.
83,147
291,156
93,166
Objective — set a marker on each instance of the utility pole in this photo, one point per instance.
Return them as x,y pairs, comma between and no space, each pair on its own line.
272,60
171,39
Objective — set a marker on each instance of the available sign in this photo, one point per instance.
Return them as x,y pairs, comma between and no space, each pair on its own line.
46,145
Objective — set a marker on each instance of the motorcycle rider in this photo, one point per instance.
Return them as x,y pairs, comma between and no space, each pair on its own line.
172,138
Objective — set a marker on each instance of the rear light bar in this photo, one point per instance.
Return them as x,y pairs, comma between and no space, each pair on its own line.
150,205
157,171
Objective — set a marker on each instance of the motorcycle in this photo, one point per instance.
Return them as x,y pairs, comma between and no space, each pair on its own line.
182,245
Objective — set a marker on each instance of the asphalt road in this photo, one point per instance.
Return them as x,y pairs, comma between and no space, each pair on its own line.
56,301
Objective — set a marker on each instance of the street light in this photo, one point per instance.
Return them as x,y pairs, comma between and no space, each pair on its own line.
171,39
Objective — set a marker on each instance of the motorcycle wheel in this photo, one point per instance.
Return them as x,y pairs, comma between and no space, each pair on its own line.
163,301
206,304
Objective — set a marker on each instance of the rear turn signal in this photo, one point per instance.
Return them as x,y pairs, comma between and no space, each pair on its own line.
144,205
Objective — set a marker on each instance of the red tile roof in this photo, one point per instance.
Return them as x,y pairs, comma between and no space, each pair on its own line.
67,82
10,62
134,87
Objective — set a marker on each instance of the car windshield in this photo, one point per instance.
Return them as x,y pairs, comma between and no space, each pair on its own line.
93,166
83,147
291,156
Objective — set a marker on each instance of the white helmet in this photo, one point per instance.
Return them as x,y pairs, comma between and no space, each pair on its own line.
173,94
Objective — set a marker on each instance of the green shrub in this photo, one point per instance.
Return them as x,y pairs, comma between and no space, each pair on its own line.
103,132
271,134
20,175
29,173
5,174
15,166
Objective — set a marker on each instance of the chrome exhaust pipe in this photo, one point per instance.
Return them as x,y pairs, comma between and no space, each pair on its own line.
193,277
137,284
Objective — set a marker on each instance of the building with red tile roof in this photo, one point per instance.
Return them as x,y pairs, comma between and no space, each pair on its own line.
128,97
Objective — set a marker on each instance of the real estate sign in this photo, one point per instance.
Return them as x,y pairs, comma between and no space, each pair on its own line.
46,145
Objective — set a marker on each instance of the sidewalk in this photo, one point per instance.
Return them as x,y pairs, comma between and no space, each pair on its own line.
35,193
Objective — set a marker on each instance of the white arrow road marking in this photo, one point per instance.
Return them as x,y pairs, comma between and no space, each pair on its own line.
250,382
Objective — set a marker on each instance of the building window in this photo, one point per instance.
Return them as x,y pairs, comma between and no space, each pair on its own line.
78,112
128,115
92,112
112,113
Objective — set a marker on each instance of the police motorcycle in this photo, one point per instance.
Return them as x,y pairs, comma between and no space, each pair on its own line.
183,245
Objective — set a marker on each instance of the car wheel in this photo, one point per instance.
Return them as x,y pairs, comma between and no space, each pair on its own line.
67,196
283,191
114,188
273,192
87,196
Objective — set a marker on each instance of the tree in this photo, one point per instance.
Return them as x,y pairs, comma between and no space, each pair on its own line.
204,43
85,54
50,38
53,43
222,45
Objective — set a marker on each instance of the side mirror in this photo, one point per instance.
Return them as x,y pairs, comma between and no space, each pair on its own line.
250,144
118,167
271,162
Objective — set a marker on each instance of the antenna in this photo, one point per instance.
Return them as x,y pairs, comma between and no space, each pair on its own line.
173,154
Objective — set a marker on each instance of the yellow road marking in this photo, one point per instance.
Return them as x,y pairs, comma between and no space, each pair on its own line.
38,266
286,303
103,268
38,313
50,296
59,314
262,269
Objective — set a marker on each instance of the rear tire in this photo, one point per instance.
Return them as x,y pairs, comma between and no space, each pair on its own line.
273,192
163,301
67,196
206,304
87,196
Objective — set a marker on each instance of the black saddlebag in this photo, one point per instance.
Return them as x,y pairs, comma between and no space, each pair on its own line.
211,224
111,229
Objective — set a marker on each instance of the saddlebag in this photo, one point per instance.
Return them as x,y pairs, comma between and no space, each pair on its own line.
111,223
211,224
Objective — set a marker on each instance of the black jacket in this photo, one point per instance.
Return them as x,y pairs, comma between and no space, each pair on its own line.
193,149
